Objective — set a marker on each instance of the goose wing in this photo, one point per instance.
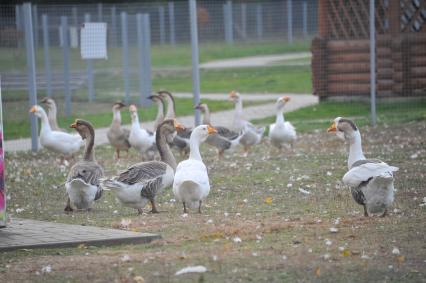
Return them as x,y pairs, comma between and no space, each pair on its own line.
226,133
142,172
363,170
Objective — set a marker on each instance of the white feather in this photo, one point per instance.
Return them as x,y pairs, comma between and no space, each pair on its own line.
355,176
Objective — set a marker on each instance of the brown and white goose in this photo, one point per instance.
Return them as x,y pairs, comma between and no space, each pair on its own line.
83,182
160,110
117,135
225,139
370,180
52,111
181,141
142,182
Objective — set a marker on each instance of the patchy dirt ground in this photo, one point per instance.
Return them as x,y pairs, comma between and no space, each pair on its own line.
256,224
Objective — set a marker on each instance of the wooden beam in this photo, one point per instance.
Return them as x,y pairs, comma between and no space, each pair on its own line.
323,29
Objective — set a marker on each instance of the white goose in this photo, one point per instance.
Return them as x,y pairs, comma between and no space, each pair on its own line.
59,142
252,135
143,181
139,138
224,140
191,182
370,180
281,132
83,182
52,111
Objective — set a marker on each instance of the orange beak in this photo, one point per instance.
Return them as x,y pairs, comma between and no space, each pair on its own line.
332,128
285,98
233,94
132,108
178,125
33,109
211,130
74,125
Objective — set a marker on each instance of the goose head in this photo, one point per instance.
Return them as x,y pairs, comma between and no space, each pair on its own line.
165,94
345,129
281,101
38,111
168,129
117,106
155,98
201,106
49,102
234,96
133,112
201,132
84,128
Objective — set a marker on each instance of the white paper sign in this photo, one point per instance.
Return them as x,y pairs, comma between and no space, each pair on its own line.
94,41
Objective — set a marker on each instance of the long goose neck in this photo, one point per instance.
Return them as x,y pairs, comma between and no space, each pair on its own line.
166,154
116,118
51,115
194,148
206,118
239,109
160,113
280,116
45,126
171,111
89,152
135,120
355,149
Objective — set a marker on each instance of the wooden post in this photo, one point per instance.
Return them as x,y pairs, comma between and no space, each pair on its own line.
322,18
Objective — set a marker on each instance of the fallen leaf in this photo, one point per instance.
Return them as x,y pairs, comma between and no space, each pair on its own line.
139,279
346,253
318,272
400,259
82,246
268,200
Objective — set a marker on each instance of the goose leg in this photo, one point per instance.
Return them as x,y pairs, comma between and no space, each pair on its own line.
184,208
199,207
246,150
140,211
68,207
220,155
384,213
365,210
154,208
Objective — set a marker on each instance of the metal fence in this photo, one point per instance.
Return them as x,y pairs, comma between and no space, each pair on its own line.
151,42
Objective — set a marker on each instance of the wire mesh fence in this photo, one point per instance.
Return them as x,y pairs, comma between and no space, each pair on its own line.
336,32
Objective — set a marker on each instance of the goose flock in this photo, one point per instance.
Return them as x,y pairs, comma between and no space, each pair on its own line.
371,181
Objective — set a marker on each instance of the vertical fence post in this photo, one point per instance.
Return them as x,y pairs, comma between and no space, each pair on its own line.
227,13
66,54
100,8
172,23
18,21
35,23
259,21
31,71
290,21
89,68
47,70
305,19
125,49
114,26
373,63
161,20
75,16
144,46
195,59
244,21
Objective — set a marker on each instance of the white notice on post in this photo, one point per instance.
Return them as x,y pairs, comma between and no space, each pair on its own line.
93,41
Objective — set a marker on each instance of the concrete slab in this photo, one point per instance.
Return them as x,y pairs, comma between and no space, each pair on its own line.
32,234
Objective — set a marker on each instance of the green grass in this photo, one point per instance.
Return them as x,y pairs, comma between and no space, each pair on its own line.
13,60
321,115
